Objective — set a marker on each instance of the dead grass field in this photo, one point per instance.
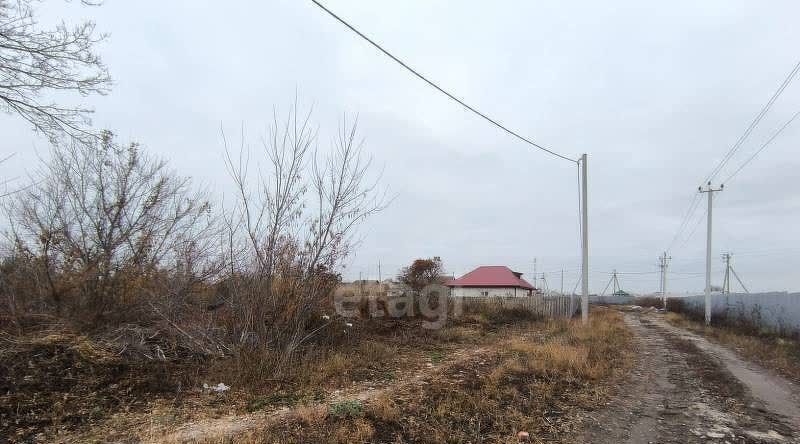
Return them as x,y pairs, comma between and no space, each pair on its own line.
775,352
490,373
535,382
56,383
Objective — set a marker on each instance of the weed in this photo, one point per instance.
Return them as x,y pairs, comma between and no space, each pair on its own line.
346,409
436,356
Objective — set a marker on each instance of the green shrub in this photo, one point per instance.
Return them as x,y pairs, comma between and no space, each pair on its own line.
347,409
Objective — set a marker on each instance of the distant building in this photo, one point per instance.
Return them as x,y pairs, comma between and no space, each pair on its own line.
490,281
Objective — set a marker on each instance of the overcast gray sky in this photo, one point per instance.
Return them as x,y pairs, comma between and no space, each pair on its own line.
655,92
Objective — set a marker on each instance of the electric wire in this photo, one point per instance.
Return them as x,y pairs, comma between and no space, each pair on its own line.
754,123
694,230
729,155
580,278
440,89
766,144
686,218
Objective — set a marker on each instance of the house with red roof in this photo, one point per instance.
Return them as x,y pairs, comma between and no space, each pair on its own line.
490,280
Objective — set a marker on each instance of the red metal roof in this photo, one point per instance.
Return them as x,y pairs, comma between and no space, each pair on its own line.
491,276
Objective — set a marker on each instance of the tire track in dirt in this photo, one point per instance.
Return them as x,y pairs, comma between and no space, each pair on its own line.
680,393
770,391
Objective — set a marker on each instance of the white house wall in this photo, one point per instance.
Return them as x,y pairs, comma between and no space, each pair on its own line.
476,292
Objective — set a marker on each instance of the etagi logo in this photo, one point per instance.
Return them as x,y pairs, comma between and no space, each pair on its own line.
431,304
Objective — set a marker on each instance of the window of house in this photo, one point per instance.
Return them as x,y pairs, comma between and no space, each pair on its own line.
484,293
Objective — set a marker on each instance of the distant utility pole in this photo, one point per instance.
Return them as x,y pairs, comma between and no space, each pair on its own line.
562,282
613,281
663,263
535,276
379,272
710,191
544,284
585,238
726,283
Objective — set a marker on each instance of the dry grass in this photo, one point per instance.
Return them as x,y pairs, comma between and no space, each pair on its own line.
372,352
494,313
384,408
514,386
648,301
56,380
772,351
532,383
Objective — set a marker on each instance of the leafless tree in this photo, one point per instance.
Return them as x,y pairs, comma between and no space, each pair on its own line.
103,221
36,61
293,226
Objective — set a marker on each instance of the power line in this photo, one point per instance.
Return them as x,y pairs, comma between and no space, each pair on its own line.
631,272
772,252
694,230
774,135
685,220
695,200
754,123
440,89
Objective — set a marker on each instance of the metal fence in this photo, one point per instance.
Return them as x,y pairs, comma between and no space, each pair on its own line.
612,300
775,311
544,306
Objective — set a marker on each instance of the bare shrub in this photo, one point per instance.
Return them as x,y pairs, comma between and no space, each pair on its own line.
291,228
103,232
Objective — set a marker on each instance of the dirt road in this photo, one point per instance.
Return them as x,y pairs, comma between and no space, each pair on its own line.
685,389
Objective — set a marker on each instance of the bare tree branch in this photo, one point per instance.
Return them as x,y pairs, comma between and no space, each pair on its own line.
35,62
293,225
105,219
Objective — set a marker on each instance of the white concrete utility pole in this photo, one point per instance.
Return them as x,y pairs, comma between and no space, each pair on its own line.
585,246
663,263
710,191
726,281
